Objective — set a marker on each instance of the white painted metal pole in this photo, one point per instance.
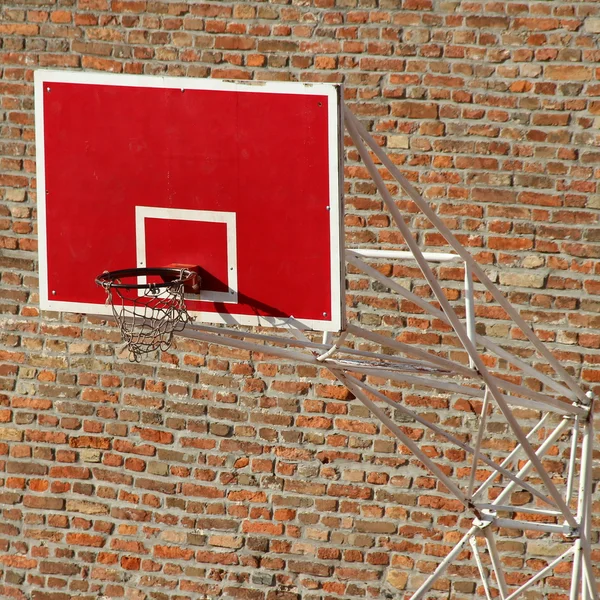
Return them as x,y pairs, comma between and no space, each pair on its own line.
480,567
542,401
550,402
572,460
457,325
581,495
396,287
520,509
470,307
531,526
480,432
404,255
576,572
589,591
243,345
496,562
447,386
588,451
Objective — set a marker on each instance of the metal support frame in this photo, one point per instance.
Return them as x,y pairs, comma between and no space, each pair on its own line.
562,400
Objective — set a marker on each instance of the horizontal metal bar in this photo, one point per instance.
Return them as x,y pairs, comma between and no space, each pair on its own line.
523,509
448,386
529,525
405,255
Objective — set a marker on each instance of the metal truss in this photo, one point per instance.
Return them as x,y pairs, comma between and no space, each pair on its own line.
559,509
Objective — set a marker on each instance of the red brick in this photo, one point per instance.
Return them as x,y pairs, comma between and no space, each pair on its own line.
568,72
154,435
174,552
88,441
262,528
44,502
220,558
85,539
101,64
131,563
95,395
315,569
70,472
488,22
415,110
24,29
314,422
190,489
18,562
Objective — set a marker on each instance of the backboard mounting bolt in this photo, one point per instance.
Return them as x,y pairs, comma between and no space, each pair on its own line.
47,89
328,207
324,314
54,292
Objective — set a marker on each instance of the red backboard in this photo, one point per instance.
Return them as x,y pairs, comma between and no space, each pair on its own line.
241,179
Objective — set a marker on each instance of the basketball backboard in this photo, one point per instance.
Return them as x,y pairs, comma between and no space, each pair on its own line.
243,180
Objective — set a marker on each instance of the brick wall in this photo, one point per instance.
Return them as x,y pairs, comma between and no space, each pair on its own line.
206,472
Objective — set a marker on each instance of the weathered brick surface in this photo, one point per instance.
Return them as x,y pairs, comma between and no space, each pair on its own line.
206,473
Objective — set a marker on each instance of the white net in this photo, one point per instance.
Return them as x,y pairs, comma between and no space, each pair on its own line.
148,316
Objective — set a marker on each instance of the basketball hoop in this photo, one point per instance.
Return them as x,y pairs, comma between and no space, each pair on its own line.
148,312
